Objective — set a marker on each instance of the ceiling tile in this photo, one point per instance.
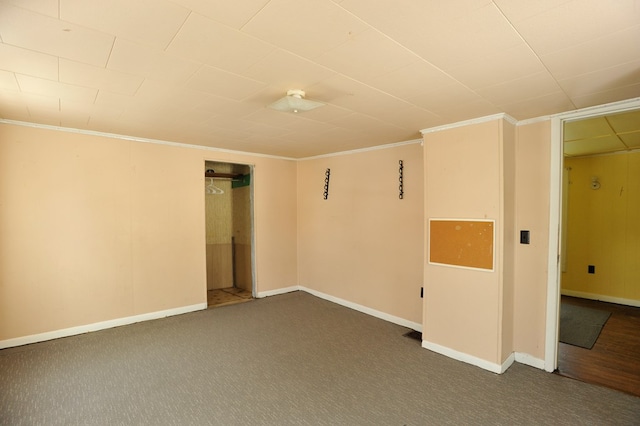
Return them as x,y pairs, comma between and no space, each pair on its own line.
221,83
204,40
56,90
547,104
13,106
604,79
470,38
151,22
366,55
527,87
327,113
216,105
417,78
28,62
40,33
39,105
501,66
235,15
413,118
632,140
593,146
308,28
97,77
112,101
444,33
44,7
625,122
155,64
596,127
579,59
607,96
8,81
287,71
573,23
406,21
444,97
271,117
350,94
517,11
173,70
133,58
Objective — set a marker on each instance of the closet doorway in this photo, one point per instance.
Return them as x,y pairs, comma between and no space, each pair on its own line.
229,233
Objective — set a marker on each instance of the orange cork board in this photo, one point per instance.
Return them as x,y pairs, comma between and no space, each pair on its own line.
463,243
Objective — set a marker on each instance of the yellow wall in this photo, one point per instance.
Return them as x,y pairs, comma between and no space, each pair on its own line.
363,244
94,228
603,228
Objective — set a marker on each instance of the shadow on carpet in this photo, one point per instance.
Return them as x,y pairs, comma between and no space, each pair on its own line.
580,326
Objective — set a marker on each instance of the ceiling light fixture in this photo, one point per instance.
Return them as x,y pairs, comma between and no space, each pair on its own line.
295,102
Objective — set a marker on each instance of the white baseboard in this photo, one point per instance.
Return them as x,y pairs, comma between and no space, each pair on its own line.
601,297
275,292
364,309
470,359
72,331
529,360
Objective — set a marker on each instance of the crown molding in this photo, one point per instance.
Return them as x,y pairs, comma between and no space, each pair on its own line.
501,116
138,139
360,150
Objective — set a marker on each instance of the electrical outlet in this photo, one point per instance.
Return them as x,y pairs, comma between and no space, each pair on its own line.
525,237
592,269
421,292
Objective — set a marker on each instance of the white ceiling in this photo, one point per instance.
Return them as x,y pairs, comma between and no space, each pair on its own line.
202,71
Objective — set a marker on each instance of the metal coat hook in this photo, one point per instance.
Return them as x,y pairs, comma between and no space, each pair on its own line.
327,174
400,179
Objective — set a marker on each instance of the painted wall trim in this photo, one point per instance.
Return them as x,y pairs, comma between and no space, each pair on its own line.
138,139
555,204
103,325
277,291
365,310
529,360
601,297
533,120
470,359
469,122
357,151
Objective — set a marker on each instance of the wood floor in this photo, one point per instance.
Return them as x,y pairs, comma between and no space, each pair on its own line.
614,360
227,296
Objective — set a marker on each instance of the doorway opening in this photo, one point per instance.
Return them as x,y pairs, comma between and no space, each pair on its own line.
597,167
230,262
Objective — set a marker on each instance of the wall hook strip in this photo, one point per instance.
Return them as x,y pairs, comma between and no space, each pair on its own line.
400,179
327,174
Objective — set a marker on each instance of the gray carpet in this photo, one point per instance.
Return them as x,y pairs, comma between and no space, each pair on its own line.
580,326
291,359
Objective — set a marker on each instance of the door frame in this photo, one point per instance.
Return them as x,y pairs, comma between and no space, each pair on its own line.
254,289
555,217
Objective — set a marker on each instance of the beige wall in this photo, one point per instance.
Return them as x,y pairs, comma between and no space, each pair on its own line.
363,244
533,147
467,172
95,228
604,228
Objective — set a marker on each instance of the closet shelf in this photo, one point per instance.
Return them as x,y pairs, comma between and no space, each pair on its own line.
223,175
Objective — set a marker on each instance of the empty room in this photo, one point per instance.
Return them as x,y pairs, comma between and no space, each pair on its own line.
319,212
